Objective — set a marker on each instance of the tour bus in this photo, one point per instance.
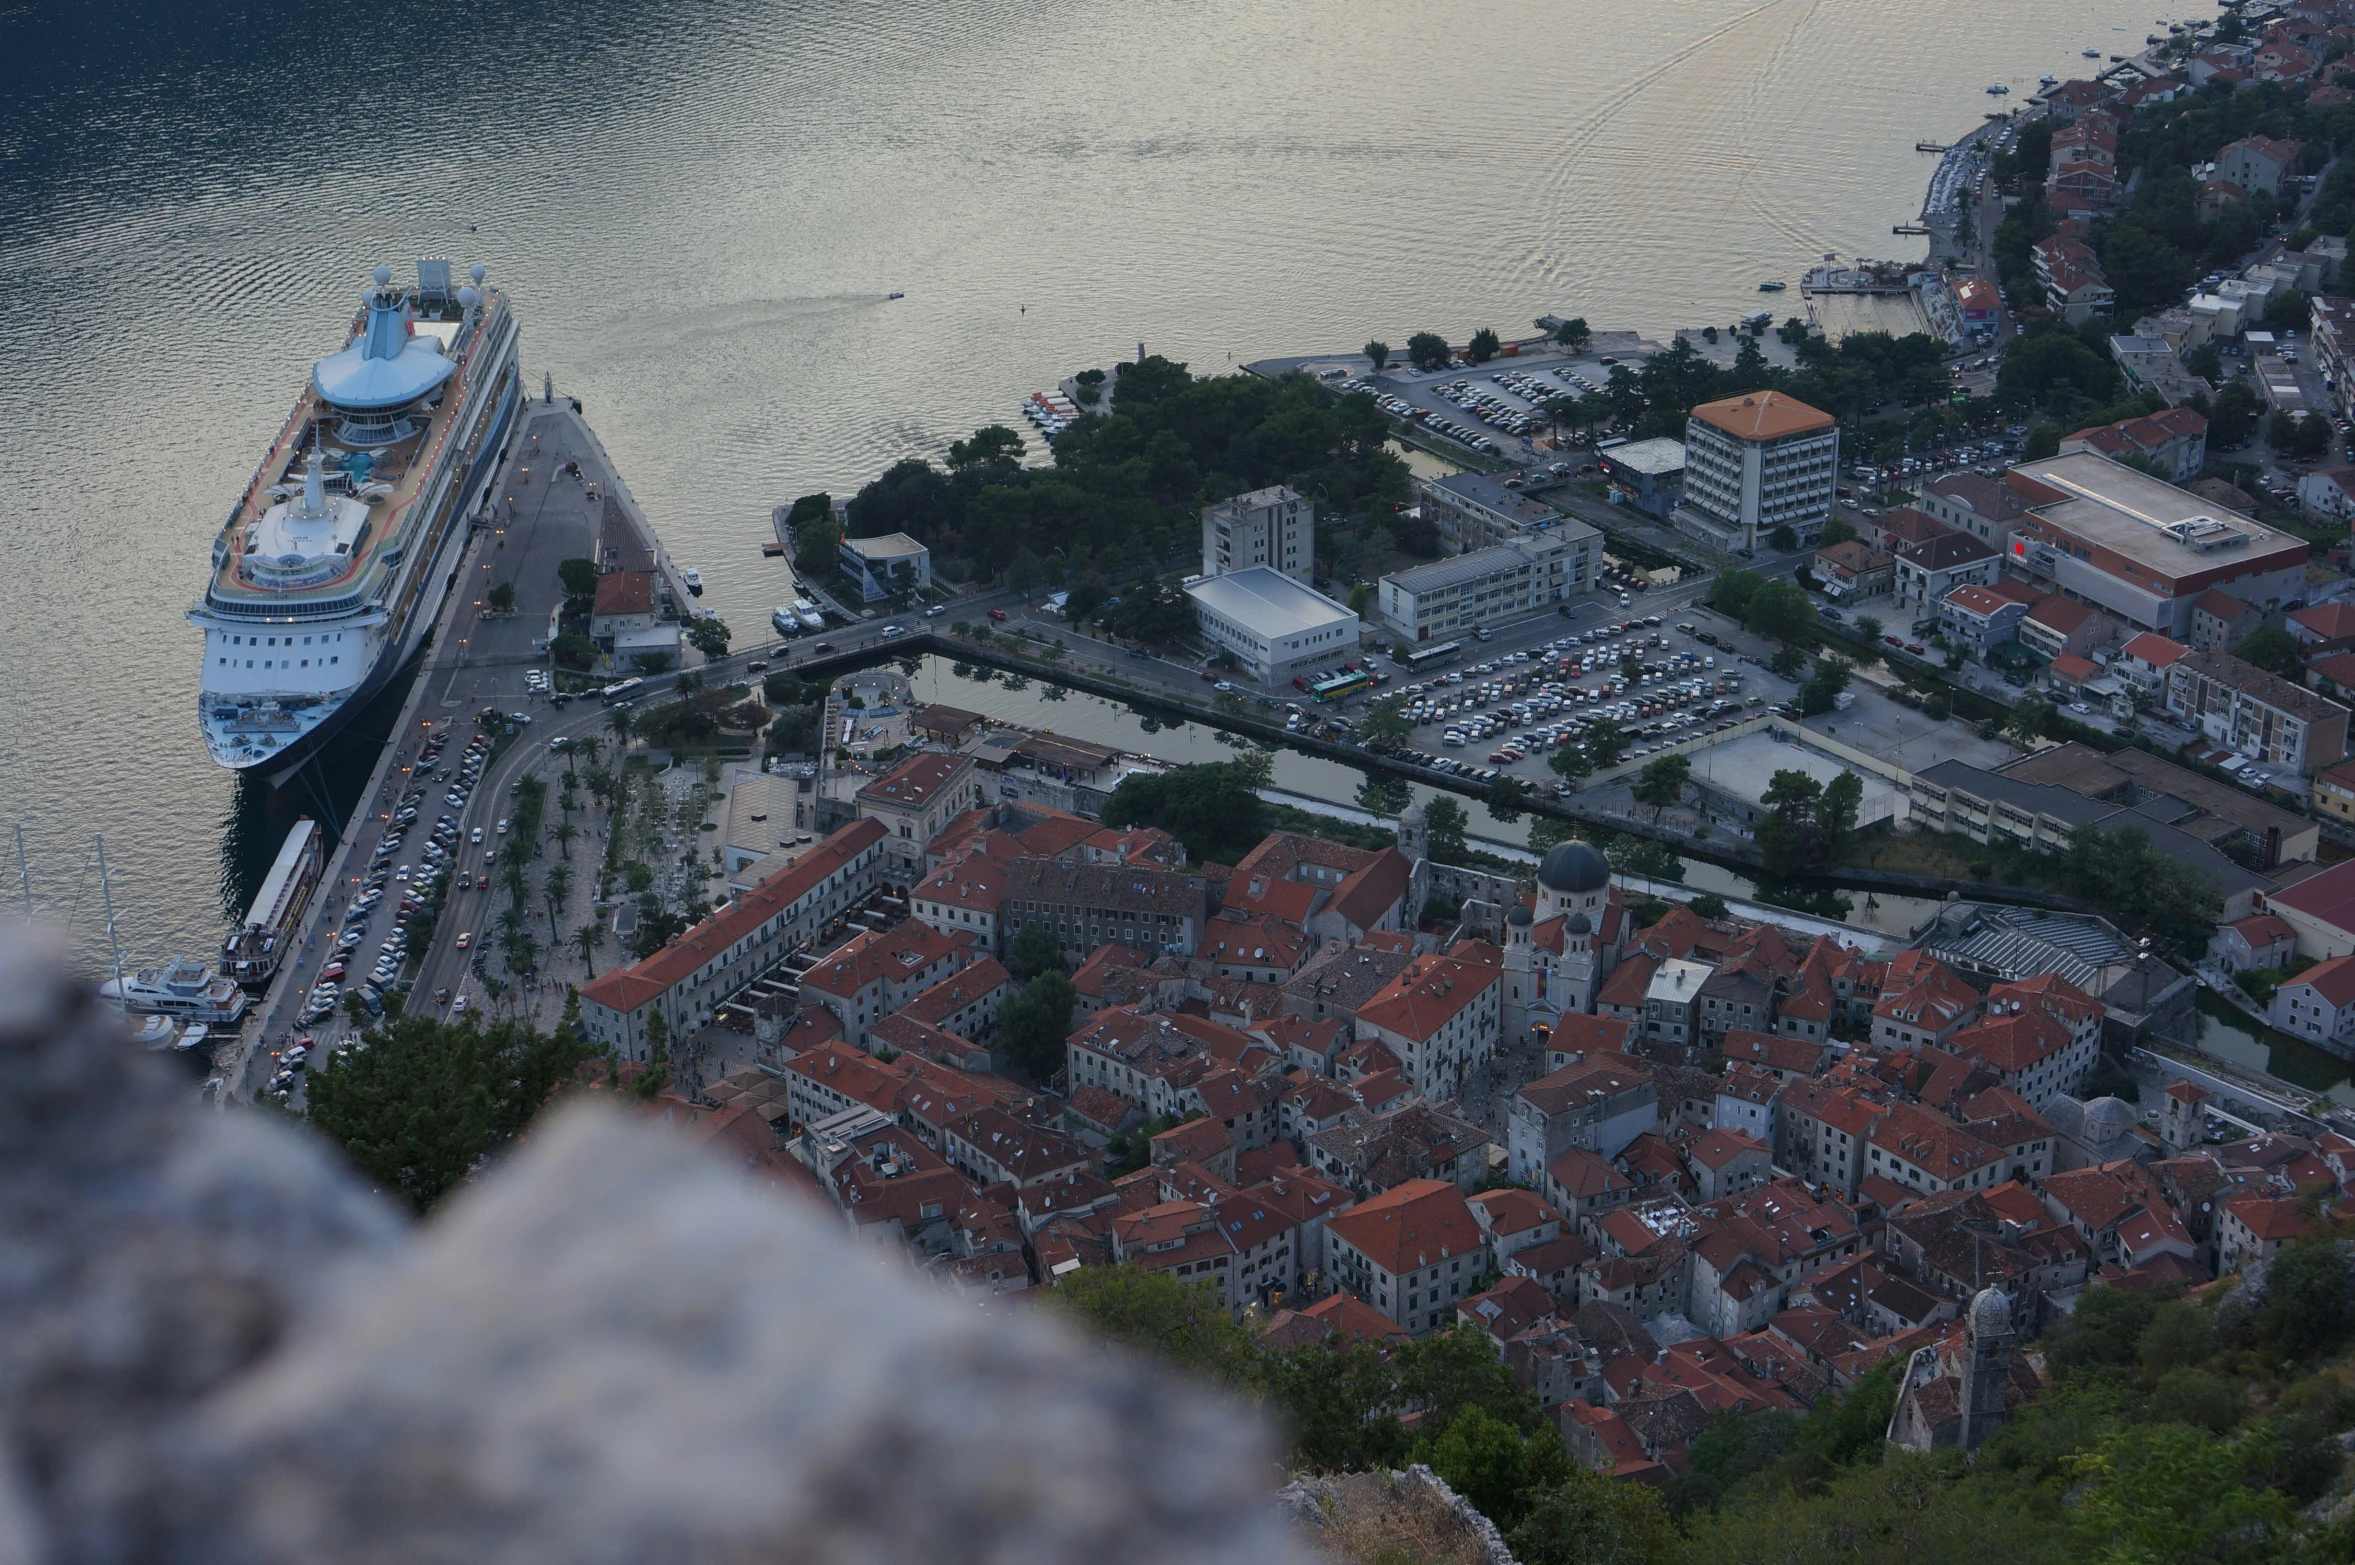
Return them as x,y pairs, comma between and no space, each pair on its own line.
1413,658
1341,686
616,691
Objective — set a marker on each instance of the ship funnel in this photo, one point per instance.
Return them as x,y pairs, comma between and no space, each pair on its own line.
315,486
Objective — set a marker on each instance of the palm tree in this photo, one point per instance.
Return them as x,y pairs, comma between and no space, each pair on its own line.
556,889
592,746
621,722
563,833
511,922
586,940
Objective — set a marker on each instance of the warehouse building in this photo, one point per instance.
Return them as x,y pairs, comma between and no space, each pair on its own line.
1274,626
2144,550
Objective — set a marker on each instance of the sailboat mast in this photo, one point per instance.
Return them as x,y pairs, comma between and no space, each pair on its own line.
106,890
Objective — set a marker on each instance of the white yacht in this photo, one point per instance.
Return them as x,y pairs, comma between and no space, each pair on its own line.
188,990
807,612
333,565
783,620
695,582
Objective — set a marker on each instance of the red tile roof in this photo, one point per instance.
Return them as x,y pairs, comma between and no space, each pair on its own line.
1427,994
2155,649
627,988
2061,614
915,782
1410,1226
2334,980
2327,898
624,592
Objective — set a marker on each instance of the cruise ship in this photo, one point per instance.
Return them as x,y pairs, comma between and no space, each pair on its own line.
333,565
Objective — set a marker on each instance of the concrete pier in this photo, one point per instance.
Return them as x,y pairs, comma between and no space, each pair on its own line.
538,514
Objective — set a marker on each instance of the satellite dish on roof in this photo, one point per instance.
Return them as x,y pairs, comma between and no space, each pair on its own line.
468,298
383,275
476,272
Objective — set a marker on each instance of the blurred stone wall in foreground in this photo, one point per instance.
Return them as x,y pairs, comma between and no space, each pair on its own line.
217,1345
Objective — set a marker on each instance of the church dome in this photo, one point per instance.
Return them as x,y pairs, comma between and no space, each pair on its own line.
1518,917
1573,867
1579,925
1991,1314
2108,1118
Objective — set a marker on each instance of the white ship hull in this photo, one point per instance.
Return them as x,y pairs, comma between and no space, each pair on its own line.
368,565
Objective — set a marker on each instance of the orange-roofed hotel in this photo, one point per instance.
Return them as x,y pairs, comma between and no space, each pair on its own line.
1757,462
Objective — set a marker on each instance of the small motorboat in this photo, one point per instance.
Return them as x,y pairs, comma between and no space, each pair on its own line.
1999,89
2092,54
1772,287
895,296
2048,81
695,583
783,621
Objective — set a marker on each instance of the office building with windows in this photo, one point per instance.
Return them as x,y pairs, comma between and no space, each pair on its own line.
1755,463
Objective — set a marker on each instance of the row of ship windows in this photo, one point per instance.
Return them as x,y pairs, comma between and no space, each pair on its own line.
256,641
279,663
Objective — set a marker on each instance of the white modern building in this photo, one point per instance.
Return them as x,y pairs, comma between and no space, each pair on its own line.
1757,462
1463,594
883,566
1271,527
1272,624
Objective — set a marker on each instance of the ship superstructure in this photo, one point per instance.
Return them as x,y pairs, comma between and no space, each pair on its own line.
334,564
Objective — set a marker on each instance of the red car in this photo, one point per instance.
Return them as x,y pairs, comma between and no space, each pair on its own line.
1914,647
331,971
482,882
1895,641
997,613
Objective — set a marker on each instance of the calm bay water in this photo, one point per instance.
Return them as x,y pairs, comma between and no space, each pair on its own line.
699,211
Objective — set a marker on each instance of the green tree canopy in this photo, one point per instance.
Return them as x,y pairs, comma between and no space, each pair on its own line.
1213,807
425,1101
1446,820
1034,1026
1780,610
1385,726
1427,350
1662,782
2273,649
1034,951
1154,1313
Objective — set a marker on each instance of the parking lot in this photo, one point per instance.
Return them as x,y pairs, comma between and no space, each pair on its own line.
392,892
1662,680
1496,409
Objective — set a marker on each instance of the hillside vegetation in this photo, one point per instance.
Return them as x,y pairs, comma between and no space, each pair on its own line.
2171,1431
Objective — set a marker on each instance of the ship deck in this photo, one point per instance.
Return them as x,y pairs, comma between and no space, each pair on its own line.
405,464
